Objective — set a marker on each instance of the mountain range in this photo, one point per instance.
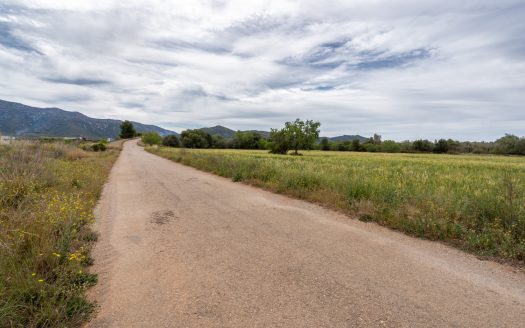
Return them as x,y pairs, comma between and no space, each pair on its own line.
347,137
229,133
20,120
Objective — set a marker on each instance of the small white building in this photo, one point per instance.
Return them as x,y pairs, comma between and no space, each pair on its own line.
5,140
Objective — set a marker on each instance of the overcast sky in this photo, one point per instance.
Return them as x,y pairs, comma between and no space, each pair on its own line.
404,69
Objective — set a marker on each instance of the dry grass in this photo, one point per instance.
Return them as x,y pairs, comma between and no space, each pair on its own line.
47,194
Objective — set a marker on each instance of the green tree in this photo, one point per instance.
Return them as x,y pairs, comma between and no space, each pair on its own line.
325,144
279,142
519,147
264,144
127,130
356,145
507,144
151,138
196,139
344,145
246,140
454,146
218,142
295,136
423,145
441,146
390,146
171,140
376,139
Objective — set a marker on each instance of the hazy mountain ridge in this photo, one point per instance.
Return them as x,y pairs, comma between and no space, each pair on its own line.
347,137
229,133
20,120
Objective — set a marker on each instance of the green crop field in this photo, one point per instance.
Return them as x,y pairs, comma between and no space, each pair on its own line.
473,202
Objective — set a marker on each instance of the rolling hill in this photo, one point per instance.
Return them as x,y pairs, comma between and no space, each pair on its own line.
228,133
25,121
20,120
347,137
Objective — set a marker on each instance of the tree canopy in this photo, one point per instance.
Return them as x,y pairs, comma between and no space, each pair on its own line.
170,140
127,130
246,140
294,136
196,138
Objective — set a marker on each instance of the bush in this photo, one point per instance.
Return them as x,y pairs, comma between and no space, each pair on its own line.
99,146
151,138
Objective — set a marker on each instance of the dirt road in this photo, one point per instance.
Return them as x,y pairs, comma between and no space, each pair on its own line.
183,248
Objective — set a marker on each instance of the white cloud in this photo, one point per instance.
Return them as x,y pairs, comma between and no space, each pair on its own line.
405,69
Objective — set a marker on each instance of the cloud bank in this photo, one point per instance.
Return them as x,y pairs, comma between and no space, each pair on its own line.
404,69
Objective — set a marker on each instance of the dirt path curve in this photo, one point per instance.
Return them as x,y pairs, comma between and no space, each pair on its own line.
183,248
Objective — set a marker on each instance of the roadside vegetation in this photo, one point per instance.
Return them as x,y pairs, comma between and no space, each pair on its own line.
198,138
47,194
474,202
151,138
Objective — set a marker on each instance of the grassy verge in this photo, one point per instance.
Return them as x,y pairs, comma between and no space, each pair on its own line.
47,195
473,202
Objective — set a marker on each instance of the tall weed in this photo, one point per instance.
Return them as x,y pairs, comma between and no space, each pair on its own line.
47,194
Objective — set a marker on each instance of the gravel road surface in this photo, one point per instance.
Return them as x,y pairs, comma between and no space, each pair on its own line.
183,248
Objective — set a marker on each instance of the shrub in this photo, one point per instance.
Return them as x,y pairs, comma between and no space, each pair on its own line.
99,146
151,138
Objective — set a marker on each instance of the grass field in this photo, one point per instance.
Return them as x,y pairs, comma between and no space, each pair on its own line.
473,202
47,195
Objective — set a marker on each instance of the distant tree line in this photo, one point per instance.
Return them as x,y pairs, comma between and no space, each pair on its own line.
301,135
297,135
507,145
